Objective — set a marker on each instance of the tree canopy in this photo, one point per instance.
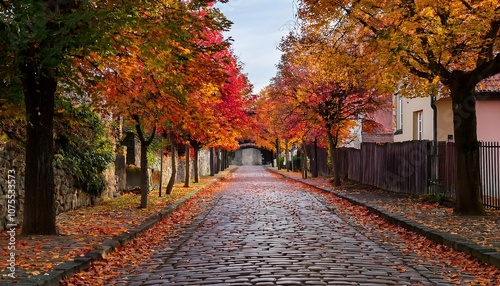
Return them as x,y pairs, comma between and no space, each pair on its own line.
423,46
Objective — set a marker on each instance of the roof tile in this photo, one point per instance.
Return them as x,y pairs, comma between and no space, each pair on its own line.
490,84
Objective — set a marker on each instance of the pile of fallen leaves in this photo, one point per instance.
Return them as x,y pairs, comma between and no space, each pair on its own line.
80,230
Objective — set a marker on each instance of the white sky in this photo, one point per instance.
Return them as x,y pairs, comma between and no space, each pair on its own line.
258,26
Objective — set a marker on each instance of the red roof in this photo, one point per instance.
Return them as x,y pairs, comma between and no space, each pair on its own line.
490,84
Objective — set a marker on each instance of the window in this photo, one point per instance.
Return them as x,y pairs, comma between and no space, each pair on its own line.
418,125
399,112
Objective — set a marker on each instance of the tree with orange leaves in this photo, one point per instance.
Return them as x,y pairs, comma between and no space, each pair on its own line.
149,79
216,114
430,44
331,97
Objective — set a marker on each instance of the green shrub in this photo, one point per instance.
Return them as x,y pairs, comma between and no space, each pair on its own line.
434,198
82,145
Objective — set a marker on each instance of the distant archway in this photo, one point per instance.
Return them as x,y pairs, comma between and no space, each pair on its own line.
251,154
247,156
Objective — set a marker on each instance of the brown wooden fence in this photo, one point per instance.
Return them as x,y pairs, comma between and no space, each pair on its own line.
406,167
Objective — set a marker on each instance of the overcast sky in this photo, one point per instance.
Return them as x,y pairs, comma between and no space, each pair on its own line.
258,26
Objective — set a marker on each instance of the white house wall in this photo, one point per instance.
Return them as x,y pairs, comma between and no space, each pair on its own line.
410,106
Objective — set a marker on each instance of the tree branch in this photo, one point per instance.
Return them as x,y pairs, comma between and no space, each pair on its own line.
486,69
487,50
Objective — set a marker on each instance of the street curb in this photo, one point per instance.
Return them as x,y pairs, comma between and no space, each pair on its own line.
101,250
482,253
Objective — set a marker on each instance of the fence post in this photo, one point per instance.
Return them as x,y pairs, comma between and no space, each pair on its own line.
433,186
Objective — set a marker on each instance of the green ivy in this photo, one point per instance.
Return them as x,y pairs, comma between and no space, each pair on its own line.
82,145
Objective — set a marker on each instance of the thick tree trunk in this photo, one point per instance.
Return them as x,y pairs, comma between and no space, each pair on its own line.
335,160
39,203
171,182
468,189
188,173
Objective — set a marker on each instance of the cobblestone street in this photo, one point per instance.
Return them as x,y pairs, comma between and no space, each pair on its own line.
267,231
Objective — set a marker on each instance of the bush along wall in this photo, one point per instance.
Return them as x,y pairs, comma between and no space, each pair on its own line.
82,169
82,146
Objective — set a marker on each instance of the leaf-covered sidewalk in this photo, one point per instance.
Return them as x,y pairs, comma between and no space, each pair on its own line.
484,231
82,229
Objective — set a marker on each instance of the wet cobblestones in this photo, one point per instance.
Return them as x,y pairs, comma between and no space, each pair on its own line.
266,231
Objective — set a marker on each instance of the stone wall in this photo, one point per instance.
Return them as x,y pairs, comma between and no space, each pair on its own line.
66,195
203,165
204,162
11,164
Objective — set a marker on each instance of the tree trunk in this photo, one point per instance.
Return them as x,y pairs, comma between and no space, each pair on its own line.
278,154
188,173
314,164
144,160
225,159
212,167
335,159
39,203
287,160
161,169
222,160
304,160
144,175
171,182
196,170
218,161
468,189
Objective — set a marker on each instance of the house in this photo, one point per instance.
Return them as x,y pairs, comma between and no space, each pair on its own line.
413,117
488,109
375,127
382,131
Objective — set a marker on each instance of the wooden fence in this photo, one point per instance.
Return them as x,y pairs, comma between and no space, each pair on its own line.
406,167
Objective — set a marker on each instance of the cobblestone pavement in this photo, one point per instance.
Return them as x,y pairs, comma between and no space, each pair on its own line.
266,231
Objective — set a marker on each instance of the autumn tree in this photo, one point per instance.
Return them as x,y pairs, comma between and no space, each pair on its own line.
217,113
38,40
453,43
324,85
149,79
